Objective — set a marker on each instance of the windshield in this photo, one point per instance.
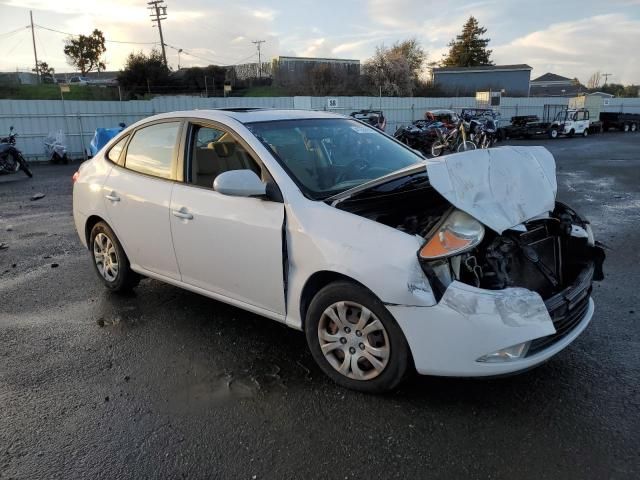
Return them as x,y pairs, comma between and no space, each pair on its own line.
328,156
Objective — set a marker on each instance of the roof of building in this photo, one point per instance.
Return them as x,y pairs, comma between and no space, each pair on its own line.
317,59
520,66
601,94
556,90
551,77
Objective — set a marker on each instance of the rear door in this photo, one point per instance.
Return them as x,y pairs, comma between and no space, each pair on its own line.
137,195
230,246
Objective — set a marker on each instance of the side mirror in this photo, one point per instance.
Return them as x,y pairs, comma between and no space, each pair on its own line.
239,183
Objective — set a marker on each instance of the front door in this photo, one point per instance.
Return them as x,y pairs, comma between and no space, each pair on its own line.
137,197
231,246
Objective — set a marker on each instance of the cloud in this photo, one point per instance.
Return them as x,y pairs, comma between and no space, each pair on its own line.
579,48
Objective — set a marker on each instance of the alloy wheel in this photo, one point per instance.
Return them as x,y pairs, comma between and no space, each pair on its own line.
106,257
353,340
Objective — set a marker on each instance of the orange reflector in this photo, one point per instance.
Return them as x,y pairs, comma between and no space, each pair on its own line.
75,177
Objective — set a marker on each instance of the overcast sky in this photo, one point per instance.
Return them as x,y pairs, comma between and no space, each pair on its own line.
570,38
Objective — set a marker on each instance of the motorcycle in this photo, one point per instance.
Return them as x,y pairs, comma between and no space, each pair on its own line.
55,148
486,136
420,135
11,159
454,140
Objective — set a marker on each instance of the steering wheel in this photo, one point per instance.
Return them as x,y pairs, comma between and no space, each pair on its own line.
354,166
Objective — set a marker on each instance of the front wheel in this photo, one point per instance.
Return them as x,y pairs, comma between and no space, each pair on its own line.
437,148
110,261
355,340
634,127
553,133
465,146
585,132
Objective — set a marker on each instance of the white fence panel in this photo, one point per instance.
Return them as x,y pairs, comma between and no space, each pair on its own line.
34,119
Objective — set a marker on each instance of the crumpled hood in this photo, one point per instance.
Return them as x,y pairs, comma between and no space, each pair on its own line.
500,187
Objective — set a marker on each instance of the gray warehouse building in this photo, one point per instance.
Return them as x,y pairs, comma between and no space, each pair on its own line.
513,80
291,70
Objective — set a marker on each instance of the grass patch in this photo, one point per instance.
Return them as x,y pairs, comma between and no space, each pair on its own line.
52,92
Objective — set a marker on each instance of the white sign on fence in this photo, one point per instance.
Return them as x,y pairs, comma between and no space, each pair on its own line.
332,103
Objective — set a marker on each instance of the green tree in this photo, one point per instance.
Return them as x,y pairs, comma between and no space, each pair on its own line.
469,49
143,71
44,69
85,52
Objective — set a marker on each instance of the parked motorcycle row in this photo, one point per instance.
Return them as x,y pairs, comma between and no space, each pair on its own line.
444,131
55,149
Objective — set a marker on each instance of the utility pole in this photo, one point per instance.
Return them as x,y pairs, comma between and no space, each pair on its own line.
35,53
606,76
257,43
159,13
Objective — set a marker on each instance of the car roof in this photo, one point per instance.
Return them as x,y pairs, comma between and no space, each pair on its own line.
248,115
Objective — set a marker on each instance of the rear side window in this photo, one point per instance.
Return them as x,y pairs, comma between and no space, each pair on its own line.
151,150
116,150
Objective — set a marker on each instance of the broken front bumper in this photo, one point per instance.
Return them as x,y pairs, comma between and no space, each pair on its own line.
469,323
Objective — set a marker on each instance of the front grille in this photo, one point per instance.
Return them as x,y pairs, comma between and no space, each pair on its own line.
566,309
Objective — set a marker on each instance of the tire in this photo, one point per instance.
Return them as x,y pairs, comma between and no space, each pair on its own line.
553,133
123,278
437,148
466,146
24,166
385,343
626,127
585,132
634,127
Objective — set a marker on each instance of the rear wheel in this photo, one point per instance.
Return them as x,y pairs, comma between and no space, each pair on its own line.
634,127
626,127
437,148
553,133
24,166
355,340
109,259
585,132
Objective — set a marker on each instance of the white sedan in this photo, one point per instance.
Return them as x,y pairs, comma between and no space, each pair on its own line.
390,263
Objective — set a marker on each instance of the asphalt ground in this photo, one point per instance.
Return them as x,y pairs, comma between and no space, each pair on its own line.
166,383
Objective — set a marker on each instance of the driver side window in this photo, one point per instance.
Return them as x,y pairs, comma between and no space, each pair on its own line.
213,151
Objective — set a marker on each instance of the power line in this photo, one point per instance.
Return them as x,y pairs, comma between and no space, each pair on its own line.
606,77
12,32
106,40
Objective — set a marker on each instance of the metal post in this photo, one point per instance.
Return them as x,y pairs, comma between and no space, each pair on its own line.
35,53
206,90
84,150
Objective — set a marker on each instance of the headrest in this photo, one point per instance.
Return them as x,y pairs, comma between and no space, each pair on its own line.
223,149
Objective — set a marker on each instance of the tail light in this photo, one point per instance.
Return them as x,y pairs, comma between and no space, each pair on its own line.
76,176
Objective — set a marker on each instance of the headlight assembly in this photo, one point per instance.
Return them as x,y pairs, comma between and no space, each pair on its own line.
458,233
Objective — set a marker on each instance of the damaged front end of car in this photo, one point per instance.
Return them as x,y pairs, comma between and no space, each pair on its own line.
510,268
555,257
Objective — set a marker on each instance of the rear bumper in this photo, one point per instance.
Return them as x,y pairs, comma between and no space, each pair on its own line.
468,323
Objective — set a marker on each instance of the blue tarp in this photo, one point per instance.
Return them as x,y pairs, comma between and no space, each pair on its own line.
102,137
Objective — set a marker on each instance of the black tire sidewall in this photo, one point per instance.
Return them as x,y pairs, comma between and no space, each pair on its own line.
400,357
126,278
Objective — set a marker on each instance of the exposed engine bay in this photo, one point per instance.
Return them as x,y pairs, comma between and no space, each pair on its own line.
545,255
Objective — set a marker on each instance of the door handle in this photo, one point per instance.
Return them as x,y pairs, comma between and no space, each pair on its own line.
182,213
113,197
